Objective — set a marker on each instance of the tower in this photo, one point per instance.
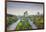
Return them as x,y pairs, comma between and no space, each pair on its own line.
25,14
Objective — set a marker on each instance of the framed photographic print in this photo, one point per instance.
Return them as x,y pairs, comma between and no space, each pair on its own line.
23,15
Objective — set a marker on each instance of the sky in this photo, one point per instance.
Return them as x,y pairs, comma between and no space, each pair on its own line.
19,8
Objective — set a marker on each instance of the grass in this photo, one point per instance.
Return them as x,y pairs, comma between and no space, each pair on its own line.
23,25
38,21
11,19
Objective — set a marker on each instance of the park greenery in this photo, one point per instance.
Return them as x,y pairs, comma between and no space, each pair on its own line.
24,24
11,19
38,21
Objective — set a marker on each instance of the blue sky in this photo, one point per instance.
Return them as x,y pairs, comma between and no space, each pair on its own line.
20,8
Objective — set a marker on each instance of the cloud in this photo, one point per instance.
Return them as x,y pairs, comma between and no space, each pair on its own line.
20,8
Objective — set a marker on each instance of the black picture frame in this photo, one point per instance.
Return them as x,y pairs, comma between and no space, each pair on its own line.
21,2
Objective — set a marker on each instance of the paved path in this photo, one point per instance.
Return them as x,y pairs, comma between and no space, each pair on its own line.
32,24
13,26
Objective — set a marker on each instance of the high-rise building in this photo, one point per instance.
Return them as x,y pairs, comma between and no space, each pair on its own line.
25,14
